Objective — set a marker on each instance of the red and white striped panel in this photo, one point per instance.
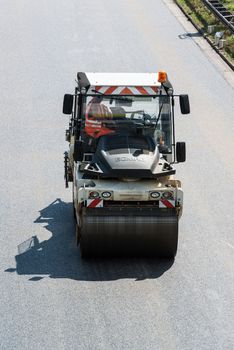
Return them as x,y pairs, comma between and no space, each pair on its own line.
166,203
127,90
95,203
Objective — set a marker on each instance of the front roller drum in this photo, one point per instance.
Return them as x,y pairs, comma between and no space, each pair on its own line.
129,233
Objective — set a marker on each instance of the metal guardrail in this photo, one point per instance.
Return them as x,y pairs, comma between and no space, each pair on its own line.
221,12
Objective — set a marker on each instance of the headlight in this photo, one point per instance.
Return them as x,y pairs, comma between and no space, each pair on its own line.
168,195
106,194
93,194
155,195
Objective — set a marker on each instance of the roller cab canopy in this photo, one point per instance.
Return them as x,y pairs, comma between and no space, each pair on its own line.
120,83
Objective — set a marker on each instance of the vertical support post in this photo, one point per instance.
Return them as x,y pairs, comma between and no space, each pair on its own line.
173,126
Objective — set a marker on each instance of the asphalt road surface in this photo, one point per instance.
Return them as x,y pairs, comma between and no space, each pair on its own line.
49,297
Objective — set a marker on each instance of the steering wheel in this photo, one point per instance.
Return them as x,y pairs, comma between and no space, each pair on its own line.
146,119
136,112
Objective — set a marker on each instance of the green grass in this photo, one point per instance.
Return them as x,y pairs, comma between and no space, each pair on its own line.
229,4
230,46
202,17
198,12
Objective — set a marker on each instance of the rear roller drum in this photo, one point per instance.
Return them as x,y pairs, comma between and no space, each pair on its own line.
129,235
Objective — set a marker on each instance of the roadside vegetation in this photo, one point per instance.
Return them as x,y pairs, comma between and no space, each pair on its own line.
203,18
229,4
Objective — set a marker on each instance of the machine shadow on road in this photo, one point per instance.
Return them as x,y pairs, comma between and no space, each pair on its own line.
59,257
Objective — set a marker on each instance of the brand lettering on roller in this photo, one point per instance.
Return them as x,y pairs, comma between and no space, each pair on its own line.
126,159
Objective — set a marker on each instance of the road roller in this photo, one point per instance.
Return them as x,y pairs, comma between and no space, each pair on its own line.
120,161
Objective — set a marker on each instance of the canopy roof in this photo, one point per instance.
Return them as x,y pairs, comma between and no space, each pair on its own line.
123,79
119,83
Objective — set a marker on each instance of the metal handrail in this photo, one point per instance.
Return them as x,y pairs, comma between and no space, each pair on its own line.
221,12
